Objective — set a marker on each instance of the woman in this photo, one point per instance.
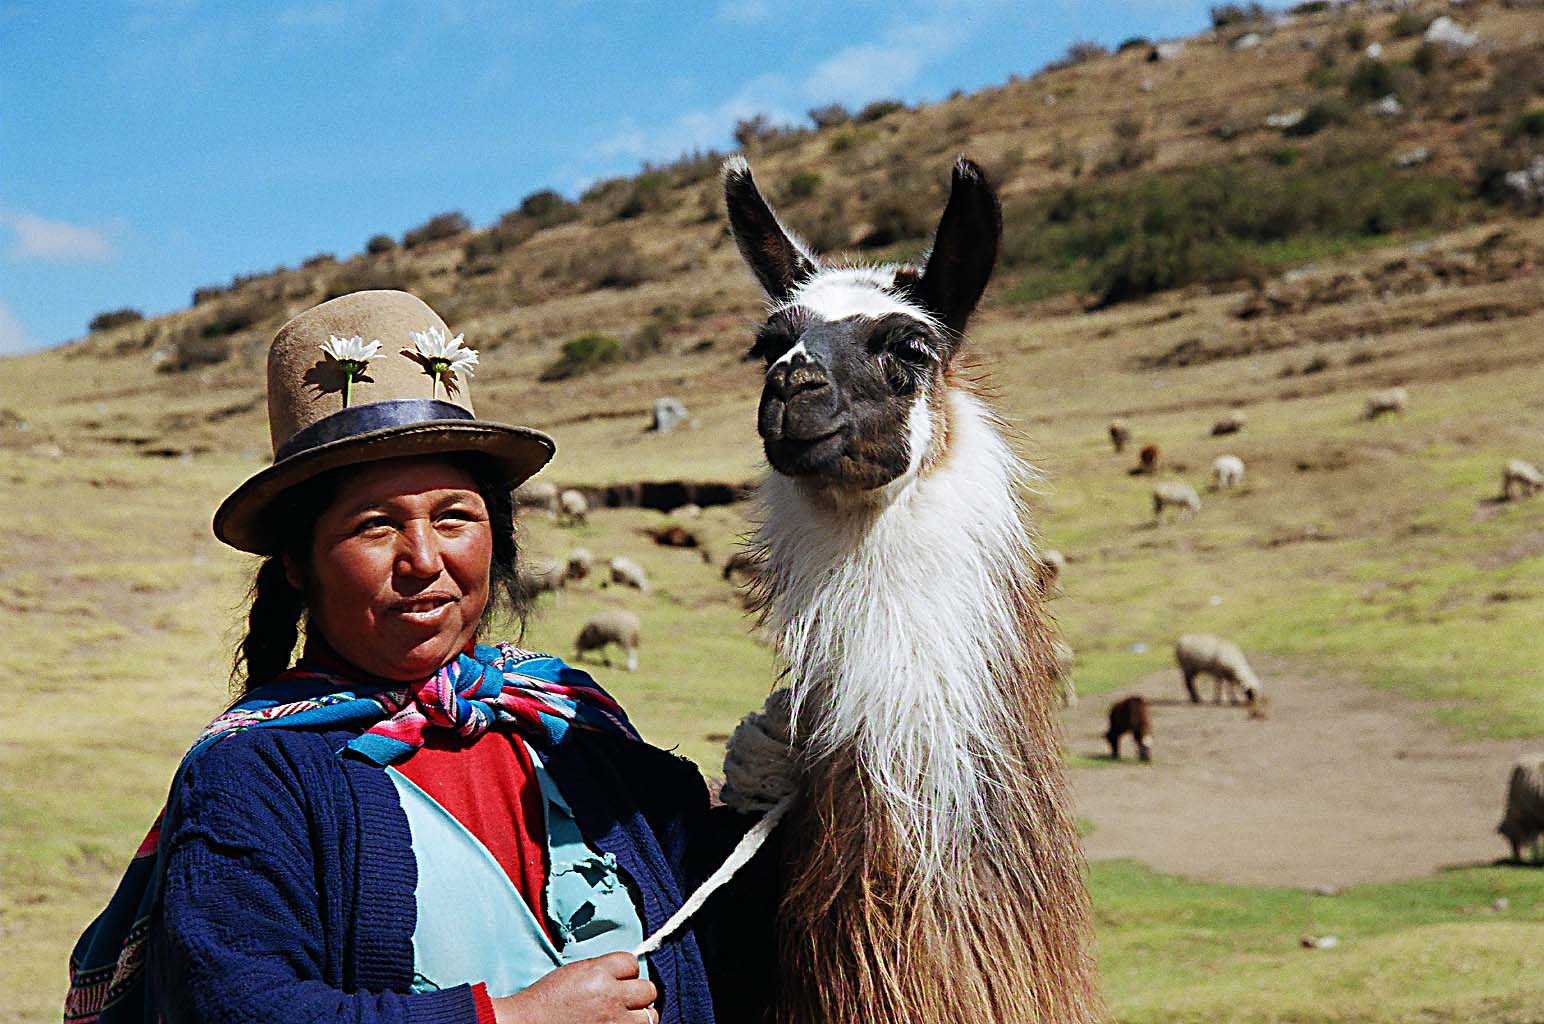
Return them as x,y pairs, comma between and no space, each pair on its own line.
412,824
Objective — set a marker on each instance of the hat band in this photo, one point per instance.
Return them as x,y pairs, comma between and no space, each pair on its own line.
364,419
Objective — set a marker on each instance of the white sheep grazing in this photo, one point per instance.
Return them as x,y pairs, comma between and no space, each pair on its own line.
580,562
541,576
1051,563
1227,471
1387,400
1063,674
574,507
613,626
538,494
1205,654
628,573
1178,495
1120,434
1231,423
1523,822
1520,479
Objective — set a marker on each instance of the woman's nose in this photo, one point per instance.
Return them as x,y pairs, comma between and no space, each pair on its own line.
418,552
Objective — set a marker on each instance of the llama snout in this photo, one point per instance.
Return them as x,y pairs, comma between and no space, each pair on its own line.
798,404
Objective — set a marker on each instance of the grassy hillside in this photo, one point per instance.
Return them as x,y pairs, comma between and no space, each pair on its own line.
1168,258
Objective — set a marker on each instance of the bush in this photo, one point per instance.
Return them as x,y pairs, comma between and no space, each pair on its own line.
1528,125
1310,7
379,244
647,340
1373,80
236,316
208,293
1128,237
830,115
1356,37
363,276
437,228
1321,115
321,259
647,195
190,353
1128,149
1224,15
1409,23
1133,43
583,354
803,185
753,130
114,318
877,109
899,217
547,208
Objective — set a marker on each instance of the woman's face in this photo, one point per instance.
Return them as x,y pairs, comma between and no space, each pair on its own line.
399,567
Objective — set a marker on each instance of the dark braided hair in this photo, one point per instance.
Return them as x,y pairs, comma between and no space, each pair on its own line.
277,608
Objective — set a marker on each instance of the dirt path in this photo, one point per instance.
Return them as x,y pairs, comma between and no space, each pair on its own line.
1340,785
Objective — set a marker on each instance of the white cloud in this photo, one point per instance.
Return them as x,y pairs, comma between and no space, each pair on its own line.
56,241
744,12
885,66
13,336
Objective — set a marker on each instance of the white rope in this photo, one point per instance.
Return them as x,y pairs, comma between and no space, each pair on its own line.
744,850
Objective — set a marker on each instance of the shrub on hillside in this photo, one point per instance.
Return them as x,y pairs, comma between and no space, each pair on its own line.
321,259
1375,79
368,276
803,185
1324,114
1134,235
1224,15
899,216
1517,79
379,244
114,318
752,131
583,354
1409,23
1081,51
437,228
1527,125
878,109
547,208
191,352
649,193
1133,43
829,116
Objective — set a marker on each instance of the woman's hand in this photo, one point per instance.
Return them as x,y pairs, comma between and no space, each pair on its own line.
602,990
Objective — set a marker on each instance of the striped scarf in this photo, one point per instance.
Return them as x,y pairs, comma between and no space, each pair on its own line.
535,695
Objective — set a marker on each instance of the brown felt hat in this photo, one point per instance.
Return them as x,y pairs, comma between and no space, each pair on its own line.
395,406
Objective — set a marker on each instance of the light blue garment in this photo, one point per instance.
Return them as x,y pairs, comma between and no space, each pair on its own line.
473,924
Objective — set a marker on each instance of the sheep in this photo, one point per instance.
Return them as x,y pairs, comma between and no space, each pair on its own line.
613,626
1387,400
575,509
538,494
1147,460
1205,654
1227,471
1173,493
628,573
1062,674
690,510
1131,715
1231,423
580,562
539,576
1523,822
1049,566
1120,434
1520,479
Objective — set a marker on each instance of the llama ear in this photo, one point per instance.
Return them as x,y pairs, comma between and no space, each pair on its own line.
964,249
779,262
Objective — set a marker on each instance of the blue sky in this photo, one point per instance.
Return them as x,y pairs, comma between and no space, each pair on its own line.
150,147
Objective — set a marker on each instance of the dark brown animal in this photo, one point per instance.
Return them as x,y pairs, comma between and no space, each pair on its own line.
1130,715
1147,460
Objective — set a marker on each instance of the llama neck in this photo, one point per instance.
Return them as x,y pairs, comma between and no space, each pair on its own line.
902,623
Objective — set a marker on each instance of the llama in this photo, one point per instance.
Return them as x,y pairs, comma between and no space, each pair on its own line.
933,867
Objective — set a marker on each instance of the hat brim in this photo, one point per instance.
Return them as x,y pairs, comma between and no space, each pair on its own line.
519,453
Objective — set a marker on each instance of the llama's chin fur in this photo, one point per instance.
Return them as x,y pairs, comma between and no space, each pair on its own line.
895,616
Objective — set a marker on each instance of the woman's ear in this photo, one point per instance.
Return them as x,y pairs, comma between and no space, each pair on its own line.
292,572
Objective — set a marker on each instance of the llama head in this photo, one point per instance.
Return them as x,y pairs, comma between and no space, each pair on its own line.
857,357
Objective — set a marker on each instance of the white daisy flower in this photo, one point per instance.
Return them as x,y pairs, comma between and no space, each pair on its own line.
350,350
443,355
353,355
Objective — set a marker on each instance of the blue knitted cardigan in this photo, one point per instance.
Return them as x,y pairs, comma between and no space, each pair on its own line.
289,886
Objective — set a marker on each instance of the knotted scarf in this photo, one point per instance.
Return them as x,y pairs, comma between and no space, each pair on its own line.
536,695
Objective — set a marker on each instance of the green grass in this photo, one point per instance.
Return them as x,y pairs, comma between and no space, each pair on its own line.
1432,950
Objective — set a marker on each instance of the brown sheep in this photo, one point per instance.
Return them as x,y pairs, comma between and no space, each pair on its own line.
1147,460
1131,715
1120,434
1523,823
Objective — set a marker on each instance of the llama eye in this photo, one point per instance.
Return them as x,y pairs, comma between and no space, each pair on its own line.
771,342
912,350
